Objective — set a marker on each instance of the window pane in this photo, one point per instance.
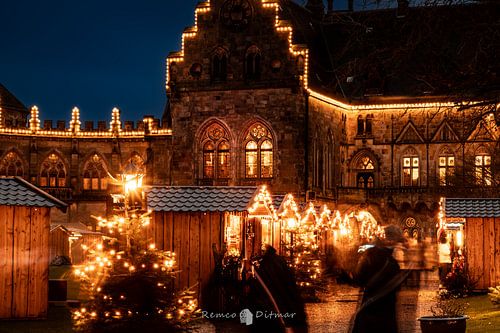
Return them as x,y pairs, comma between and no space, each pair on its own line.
251,164
266,145
104,183
95,183
361,182
487,176
266,163
406,177
415,176
208,164
479,160
487,160
406,162
223,167
43,181
62,182
442,176
451,161
415,161
251,145
370,182
86,184
442,161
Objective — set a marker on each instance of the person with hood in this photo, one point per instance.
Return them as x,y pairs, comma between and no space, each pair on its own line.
379,274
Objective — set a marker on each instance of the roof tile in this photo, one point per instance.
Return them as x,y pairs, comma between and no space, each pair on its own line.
472,207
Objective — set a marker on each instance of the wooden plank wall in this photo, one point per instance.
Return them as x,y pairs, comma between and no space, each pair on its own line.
24,262
482,240
190,236
59,243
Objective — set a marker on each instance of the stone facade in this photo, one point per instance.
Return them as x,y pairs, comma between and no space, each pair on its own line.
239,81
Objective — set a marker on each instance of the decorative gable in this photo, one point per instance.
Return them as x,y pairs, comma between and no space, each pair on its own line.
409,134
445,133
486,130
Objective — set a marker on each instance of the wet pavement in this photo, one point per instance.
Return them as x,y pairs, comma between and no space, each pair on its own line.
340,301
339,304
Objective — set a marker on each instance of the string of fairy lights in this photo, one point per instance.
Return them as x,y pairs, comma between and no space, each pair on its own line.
123,259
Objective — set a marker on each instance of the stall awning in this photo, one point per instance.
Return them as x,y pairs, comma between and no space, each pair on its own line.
200,198
472,207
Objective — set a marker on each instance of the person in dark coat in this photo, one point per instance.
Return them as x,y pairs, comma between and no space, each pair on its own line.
275,296
379,274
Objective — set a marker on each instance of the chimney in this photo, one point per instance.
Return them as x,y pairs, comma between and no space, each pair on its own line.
350,5
330,7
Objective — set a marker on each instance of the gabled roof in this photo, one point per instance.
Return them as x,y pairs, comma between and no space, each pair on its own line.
472,207
15,191
199,198
9,101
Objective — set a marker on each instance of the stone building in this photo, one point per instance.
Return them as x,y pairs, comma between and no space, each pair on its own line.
371,109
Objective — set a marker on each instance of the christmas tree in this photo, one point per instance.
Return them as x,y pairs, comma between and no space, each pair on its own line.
130,283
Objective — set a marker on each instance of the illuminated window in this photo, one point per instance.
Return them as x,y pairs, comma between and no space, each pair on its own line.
95,175
219,65
365,163
223,159
208,160
411,168
363,168
216,153
482,165
259,156
446,169
252,63
12,165
251,153
53,172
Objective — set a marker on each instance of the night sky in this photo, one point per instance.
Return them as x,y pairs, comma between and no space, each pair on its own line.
92,54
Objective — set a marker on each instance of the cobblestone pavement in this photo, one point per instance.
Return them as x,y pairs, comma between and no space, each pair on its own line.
339,303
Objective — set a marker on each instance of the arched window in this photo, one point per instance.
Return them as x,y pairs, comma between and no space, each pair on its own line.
95,175
259,153
219,65
12,165
446,167
252,63
53,172
482,167
216,153
364,170
410,168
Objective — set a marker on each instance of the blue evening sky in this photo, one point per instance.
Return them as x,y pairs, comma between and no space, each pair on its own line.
92,54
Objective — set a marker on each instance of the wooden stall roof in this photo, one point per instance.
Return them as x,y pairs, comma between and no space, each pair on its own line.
15,191
200,198
73,228
489,207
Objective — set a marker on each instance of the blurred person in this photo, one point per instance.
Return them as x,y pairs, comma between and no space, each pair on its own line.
444,257
379,274
273,294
